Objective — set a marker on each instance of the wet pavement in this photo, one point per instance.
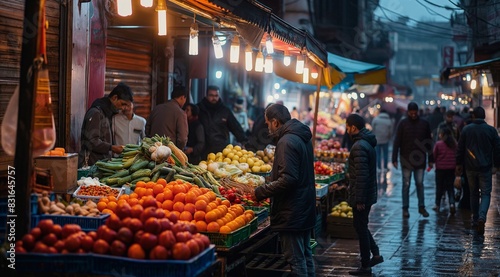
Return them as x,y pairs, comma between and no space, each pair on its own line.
439,245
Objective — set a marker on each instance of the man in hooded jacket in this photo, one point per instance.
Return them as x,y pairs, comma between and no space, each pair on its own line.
97,138
218,120
292,188
362,190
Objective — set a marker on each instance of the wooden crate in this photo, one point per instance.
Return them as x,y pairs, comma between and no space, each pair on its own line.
63,170
340,227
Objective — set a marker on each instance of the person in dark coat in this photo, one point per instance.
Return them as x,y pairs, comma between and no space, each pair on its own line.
292,188
478,151
218,120
413,144
362,190
97,138
196,137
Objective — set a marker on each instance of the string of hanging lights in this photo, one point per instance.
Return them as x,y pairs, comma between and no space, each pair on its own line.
263,63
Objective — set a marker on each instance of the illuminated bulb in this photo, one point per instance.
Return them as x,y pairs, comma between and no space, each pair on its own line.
314,72
299,69
162,17
218,74
217,48
234,54
305,75
259,62
147,3
276,85
269,45
124,7
473,84
283,91
270,98
193,39
248,58
269,64
286,59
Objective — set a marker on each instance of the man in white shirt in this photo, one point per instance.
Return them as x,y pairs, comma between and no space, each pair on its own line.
128,127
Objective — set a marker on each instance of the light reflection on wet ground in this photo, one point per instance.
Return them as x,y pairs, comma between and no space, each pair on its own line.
440,245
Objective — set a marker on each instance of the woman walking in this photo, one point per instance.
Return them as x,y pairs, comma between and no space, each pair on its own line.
444,157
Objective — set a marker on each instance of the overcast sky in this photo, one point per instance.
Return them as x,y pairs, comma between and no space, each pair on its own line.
415,9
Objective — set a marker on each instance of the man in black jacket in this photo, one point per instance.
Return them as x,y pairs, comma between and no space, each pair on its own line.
292,188
414,144
478,150
97,138
218,120
362,189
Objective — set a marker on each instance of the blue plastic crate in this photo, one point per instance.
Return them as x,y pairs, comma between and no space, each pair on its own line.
88,223
54,263
322,191
120,266
260,212
33,204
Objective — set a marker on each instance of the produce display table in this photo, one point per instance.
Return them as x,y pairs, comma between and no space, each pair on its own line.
336,191
232,259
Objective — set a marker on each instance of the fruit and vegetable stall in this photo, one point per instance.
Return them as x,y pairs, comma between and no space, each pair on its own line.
150,211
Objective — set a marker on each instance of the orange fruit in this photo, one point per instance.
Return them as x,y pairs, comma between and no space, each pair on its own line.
226,203
208,208
217,212
201,226
250,212
213,227
179,181
222,209
133,195
190,197
150,184
135,251
200,205
211,216
190,208
104,199
202,197
180,197
218,200
121,201
157,189
248,216
112,198
199,215
229,217
149,191
241,222
112,205
133,201
178,189
140,192
176,213
107,211
213,205
178,206
159,197
187,185
221,222
168,194
168,205
204,190
225,230
233,225
102,205
124,196
186,216
211,195
161,181
140,184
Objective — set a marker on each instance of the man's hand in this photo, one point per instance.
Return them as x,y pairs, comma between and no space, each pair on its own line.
360,206
395,165
117,148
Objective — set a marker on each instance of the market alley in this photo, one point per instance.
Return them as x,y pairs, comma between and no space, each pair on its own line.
440,245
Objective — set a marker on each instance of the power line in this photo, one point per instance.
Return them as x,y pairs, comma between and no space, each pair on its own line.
431,11
473,15
439,6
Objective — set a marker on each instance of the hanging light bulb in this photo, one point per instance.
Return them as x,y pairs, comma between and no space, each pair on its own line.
259,62
286,59
193,39
234,54
269,44
248,58
314,72
217,47
269,64
161,8
147,3
124,7
305,75
299,69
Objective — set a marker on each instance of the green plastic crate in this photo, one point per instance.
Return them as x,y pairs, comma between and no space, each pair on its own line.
230,239
261,212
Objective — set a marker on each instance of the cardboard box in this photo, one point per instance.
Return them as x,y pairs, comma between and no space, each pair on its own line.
63,169
340,227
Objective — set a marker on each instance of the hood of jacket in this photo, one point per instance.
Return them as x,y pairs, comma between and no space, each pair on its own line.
293,126
384,116
105,105
365,134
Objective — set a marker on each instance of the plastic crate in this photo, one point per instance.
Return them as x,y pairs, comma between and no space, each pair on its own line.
88,223
254,224
118,266
94,198
260,212
323,179
54,263
314,244
322,191
230,239
340,227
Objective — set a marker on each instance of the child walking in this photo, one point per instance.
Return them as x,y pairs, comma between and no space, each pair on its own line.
444,157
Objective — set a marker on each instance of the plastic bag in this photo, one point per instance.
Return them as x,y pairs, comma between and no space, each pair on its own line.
9,124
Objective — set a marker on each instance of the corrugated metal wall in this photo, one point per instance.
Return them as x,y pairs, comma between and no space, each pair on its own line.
11,31
129,60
